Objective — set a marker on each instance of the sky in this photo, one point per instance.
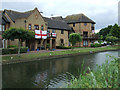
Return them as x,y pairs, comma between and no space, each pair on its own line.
103,12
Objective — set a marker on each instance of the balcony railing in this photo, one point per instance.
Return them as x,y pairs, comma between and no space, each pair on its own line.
90,36
51,35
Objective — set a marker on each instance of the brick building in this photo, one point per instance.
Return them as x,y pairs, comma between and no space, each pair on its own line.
83,25
61,27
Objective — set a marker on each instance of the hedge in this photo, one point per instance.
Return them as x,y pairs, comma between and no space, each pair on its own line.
62,47
96,45
13,50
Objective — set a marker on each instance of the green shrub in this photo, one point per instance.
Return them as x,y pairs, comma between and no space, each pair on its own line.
92,45
62,47
106,76
13,50
96,45
12,46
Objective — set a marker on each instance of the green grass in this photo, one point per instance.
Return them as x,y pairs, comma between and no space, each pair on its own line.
34,56
106,76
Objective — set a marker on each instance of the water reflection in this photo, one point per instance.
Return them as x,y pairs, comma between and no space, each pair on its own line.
49,73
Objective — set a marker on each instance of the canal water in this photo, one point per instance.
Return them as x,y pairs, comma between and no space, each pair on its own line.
53,73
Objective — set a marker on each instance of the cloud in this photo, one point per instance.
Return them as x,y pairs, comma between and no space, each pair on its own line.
103,12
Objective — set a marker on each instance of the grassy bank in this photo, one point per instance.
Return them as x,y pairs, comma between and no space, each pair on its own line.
106,76
34,56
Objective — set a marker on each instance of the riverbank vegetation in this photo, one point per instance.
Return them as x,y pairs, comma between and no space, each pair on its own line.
37,55
106,76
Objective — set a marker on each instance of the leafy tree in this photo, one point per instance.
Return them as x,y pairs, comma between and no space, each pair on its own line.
104,32
115,31
74,38
100,39
18,33
112,39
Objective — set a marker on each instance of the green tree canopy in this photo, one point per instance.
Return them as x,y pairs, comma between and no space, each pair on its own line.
104,32
18,33
111,39
74,38
115,31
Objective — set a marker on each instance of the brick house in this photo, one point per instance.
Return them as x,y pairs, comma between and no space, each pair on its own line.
4,24
33,20
61,27
83,25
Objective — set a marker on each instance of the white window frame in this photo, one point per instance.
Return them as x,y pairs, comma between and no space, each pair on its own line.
0,27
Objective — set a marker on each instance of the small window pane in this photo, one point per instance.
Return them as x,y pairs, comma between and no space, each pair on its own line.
0,27
36,27
73,24
62,31
3,27
29,27
42,27
53,31
85,24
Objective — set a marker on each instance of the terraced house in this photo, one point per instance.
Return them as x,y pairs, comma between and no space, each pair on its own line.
58,28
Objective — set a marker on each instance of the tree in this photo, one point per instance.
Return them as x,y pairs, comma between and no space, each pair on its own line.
74,38
111,39
115,31
18,33
100,39
104,32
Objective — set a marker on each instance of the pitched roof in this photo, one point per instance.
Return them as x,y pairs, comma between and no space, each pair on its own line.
3,18
78,18
17,15
56,24
58,18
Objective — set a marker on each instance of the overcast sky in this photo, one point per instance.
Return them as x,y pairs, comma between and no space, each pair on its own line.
103,12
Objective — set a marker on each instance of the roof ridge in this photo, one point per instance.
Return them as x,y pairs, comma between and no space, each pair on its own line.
18,11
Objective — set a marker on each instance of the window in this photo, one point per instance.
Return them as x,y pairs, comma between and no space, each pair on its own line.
92,25
62,31
0,27
62,41
29,27
85,24
42,27
53,31
48,31
36,27
3,27
73,24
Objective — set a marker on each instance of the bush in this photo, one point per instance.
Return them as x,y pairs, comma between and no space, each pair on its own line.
62,47
12,46
92,45
13,50
96,45
105,76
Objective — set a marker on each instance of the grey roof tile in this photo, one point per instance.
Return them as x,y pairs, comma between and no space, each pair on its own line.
57,24
16,15
78,18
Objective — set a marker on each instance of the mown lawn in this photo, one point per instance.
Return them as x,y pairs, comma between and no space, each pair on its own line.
33,56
